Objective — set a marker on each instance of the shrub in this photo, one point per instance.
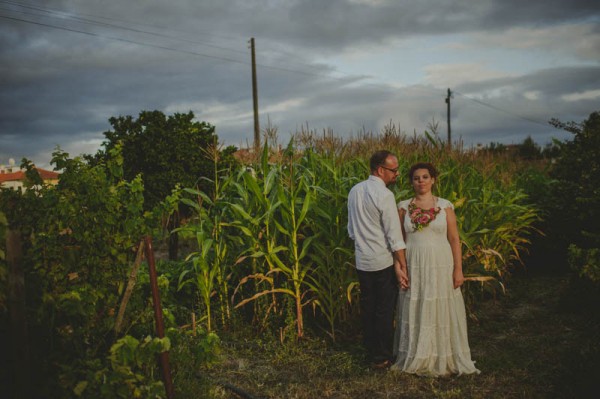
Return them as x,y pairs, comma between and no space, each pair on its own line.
129,371
585,262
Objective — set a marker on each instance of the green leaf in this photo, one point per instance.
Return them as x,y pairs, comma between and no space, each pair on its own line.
80,387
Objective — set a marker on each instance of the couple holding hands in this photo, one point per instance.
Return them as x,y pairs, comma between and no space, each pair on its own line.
409,265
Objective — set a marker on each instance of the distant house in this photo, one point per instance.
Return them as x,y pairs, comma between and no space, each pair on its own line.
12,176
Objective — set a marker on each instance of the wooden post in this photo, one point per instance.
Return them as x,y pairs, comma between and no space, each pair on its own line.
17,319
448,114
130,286
160,327
255,99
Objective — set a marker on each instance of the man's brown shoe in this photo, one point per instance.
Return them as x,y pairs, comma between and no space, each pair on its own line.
386,364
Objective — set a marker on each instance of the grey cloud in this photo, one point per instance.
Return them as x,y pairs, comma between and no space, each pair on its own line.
553,82
516,12
60,86
340,24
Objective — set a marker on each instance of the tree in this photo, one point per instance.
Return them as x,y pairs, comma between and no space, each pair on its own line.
529,149
496,148
167,152
577,192
578,171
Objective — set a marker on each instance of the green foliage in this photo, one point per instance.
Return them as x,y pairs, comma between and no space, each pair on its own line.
578,173
3,265
534,180
333,282
84,246
79,242
192,349
20,206
209,269
254,202
128,372
529,150
194,352
203,271
284,222
577,190
280,248
495,148
494,223
165,150
585,262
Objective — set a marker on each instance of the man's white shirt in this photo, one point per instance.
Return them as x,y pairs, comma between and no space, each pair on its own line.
373,224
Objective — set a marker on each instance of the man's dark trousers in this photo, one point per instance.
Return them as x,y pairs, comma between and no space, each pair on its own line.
378,296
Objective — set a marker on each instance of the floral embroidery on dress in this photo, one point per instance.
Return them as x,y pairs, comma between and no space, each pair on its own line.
421,218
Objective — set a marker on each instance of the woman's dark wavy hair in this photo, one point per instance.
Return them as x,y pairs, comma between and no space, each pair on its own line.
422,165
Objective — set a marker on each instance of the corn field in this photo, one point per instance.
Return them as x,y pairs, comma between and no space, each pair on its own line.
271,244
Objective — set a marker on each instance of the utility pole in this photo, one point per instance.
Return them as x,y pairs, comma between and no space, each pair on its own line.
255,99
448,112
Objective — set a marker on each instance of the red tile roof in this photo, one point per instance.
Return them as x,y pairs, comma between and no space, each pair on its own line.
20,175
47,174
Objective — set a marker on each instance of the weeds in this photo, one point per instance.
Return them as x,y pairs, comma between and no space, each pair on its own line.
527,344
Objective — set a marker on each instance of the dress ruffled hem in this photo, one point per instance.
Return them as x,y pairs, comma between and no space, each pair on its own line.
437,366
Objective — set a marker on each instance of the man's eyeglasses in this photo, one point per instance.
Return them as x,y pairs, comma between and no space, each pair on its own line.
395,170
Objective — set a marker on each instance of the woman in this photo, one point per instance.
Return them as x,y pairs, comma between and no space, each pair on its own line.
431,335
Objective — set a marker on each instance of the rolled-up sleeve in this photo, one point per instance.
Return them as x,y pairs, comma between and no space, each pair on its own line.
351,200
391,223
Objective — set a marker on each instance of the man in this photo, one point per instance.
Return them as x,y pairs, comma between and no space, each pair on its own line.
374,226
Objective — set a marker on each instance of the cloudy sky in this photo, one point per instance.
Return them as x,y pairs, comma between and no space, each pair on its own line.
67,66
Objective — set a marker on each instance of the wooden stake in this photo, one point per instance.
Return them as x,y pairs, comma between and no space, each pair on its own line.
158,316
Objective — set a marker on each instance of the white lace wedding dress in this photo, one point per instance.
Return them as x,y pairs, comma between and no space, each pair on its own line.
431,330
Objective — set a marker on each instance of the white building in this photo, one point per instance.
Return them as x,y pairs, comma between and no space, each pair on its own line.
12,176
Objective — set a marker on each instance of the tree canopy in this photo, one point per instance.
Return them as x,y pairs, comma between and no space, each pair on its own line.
578,172
165,150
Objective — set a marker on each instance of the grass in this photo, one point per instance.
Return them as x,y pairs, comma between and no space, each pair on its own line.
538,341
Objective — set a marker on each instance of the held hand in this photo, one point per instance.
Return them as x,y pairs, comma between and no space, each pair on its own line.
403,279
458,278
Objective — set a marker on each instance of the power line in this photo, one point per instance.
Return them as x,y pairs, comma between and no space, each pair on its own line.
163,47
75,17
65,15
87,21
168,48
502,110
112,19
123,40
